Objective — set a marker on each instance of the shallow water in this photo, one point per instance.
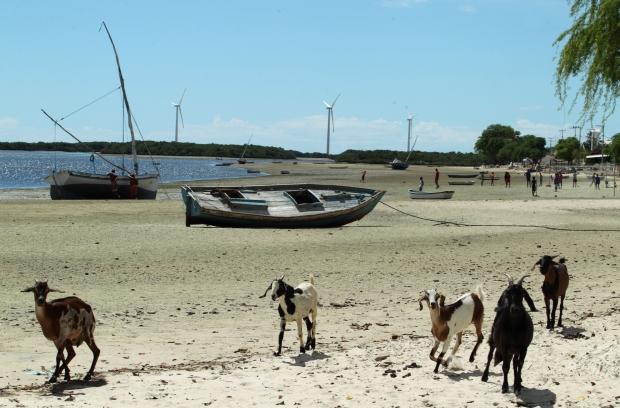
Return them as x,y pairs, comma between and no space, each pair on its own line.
20,169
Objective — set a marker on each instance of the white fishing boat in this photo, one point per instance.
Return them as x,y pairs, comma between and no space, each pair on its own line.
69,184
430,195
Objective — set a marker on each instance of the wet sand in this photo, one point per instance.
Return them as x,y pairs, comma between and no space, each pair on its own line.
179,320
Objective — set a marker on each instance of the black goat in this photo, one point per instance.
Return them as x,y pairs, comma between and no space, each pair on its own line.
512,333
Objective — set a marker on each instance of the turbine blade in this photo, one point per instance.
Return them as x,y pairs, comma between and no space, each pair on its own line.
182,95
181,113
334,102
327,105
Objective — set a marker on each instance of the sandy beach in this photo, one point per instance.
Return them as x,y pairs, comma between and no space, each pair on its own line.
179,321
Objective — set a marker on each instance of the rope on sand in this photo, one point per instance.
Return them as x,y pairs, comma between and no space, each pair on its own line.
462,224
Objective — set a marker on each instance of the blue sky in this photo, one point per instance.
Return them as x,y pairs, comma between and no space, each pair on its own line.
264,68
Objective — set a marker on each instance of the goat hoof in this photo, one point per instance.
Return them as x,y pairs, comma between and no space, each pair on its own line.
560,325
504,389
67,377
302,350
87,377
313,343
276,353
52,380
485,377
471,359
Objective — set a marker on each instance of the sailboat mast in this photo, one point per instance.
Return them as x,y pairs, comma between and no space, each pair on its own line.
129,116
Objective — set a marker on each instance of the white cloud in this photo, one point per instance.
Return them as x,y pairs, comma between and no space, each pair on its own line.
401,3
546,130
7,123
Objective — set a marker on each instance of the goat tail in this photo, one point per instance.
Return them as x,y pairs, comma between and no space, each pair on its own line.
562,260
480,292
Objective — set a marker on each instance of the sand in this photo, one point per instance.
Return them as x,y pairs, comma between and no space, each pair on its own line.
179,320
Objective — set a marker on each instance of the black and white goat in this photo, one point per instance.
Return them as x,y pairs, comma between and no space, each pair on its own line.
67,322
295,304
451,320
512,333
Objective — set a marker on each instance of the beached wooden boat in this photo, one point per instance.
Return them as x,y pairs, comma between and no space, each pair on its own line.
462,175
278,206
399,165
461,182
253,171
224,164
430,195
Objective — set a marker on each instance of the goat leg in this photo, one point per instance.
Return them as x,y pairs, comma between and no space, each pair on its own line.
485,375
280,337
515,368
547,311
434,350
480,337
300,335
93,347
555,306
309,330
70,355
561,309
59,358
506,370
444,349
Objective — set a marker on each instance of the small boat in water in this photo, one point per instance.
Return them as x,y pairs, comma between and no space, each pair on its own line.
462,175
224,164
278,206
461,182
431,195
253,171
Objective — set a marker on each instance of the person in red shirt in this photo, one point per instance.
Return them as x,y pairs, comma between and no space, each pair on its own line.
113,182
133,186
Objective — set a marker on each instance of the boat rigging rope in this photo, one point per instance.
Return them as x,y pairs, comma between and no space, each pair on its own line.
145,144
90,103
463,224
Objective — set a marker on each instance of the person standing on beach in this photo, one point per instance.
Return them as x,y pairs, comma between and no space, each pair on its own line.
575,179
133,186
113,183
540,178
533,184
528,176
436,178
492,178
597,182
363,179
507,180
593,179
421,185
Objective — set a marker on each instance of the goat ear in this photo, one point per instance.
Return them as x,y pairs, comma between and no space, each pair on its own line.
55,290
554,256
266,290
30,289
282,278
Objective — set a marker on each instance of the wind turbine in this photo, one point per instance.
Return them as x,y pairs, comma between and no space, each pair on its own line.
177,106
330,119
409,119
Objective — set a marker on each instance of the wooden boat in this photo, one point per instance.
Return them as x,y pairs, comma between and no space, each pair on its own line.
285,172
278,206
430,195
224,164
338,167
462,175
461,182
69,184
241,159
253,171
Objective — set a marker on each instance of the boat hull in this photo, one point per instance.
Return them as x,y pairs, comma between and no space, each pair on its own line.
399,165
462,175
435,195
197,214
71,185
462,182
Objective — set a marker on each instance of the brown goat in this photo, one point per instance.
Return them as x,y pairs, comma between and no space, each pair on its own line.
67,322
554,286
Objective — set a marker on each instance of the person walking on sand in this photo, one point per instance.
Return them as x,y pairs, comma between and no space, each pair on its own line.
421,185
113,182
534,189
436,178
507,180
363,179
593,179
540,177
492,178
597,182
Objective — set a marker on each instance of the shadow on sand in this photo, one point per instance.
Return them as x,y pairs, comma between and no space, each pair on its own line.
301,359
532,397
59,389
572,333
466,375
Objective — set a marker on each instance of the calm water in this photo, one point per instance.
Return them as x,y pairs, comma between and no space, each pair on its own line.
27,169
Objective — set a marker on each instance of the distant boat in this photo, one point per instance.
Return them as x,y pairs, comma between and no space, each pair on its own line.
338,167
462,175
285,172
399,165
278,206
241,159
225,164
69,184
253,171
461,182
430,195
403,165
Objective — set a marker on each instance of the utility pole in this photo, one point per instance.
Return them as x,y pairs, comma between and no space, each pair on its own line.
562,133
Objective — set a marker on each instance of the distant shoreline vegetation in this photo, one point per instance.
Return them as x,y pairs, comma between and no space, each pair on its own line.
253,151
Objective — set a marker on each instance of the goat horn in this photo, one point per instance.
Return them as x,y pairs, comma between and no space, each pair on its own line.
266,290
520,281
510,279
534,266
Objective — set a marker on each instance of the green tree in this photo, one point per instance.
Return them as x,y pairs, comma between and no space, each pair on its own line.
591,54
567,149
614,147
493,139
